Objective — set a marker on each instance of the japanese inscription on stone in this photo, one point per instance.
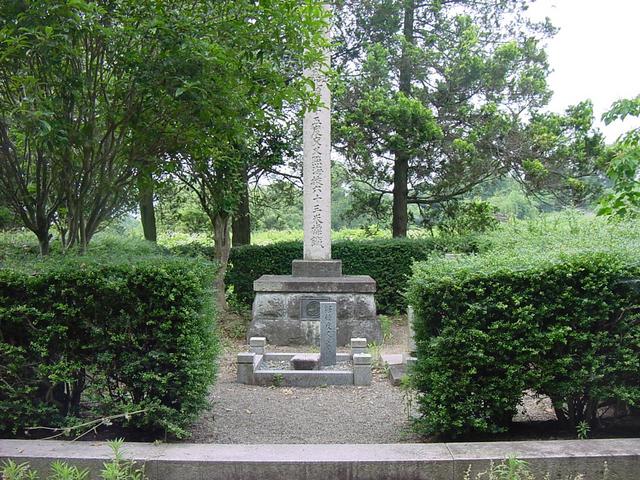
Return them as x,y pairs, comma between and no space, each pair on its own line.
317,171
328,338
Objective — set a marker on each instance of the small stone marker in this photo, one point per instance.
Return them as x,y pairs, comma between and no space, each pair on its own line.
328,340
411,361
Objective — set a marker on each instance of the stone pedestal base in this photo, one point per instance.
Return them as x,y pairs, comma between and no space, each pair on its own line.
286,309
316,268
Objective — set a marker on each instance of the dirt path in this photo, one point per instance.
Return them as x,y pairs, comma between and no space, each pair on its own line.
332,414
248,414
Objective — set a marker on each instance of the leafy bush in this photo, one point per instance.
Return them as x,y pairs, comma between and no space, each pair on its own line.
555,313
121,334
387,261
461,217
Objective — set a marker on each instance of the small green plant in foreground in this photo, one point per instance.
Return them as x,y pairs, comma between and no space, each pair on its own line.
120,468
385,325
278,379
17,471
64,471
582,430
509,469
409,395
117,469
513,468
376,355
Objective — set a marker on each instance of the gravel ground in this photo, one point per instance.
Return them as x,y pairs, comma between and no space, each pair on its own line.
332,414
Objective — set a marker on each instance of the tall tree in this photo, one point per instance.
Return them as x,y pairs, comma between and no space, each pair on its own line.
431,91
241,226
558,158
270,145
88,95
253,74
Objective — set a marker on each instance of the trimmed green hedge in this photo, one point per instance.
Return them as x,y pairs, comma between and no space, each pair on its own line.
557,319
118,335
388,262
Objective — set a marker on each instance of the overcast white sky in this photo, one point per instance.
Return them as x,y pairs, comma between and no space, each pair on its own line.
596,54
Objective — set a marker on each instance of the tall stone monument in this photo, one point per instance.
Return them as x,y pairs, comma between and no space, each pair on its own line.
286,308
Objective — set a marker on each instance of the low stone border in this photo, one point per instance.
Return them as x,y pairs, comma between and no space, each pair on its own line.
435,461
251,371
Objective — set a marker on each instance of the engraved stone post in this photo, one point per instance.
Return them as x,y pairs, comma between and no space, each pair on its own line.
328,333
317,170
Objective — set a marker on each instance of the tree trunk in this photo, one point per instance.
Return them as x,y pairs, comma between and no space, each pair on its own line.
147,210
44,243
401,162
82,233
222,248
400,191
241,226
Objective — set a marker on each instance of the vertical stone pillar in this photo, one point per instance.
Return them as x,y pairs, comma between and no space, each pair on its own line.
328,338
279,311
244,365
317,169
362,375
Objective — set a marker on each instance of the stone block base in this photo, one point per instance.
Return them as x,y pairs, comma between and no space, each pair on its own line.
316,268
286,309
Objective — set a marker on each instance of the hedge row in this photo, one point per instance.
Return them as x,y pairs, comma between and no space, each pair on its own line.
563,323
108,335
388,261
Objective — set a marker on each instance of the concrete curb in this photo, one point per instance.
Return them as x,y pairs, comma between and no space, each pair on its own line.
435,461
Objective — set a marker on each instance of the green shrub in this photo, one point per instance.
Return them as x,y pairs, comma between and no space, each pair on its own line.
388,262
122,334
462,217
558,316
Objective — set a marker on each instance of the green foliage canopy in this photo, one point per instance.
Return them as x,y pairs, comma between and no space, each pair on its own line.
624,163
560,157
432,93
